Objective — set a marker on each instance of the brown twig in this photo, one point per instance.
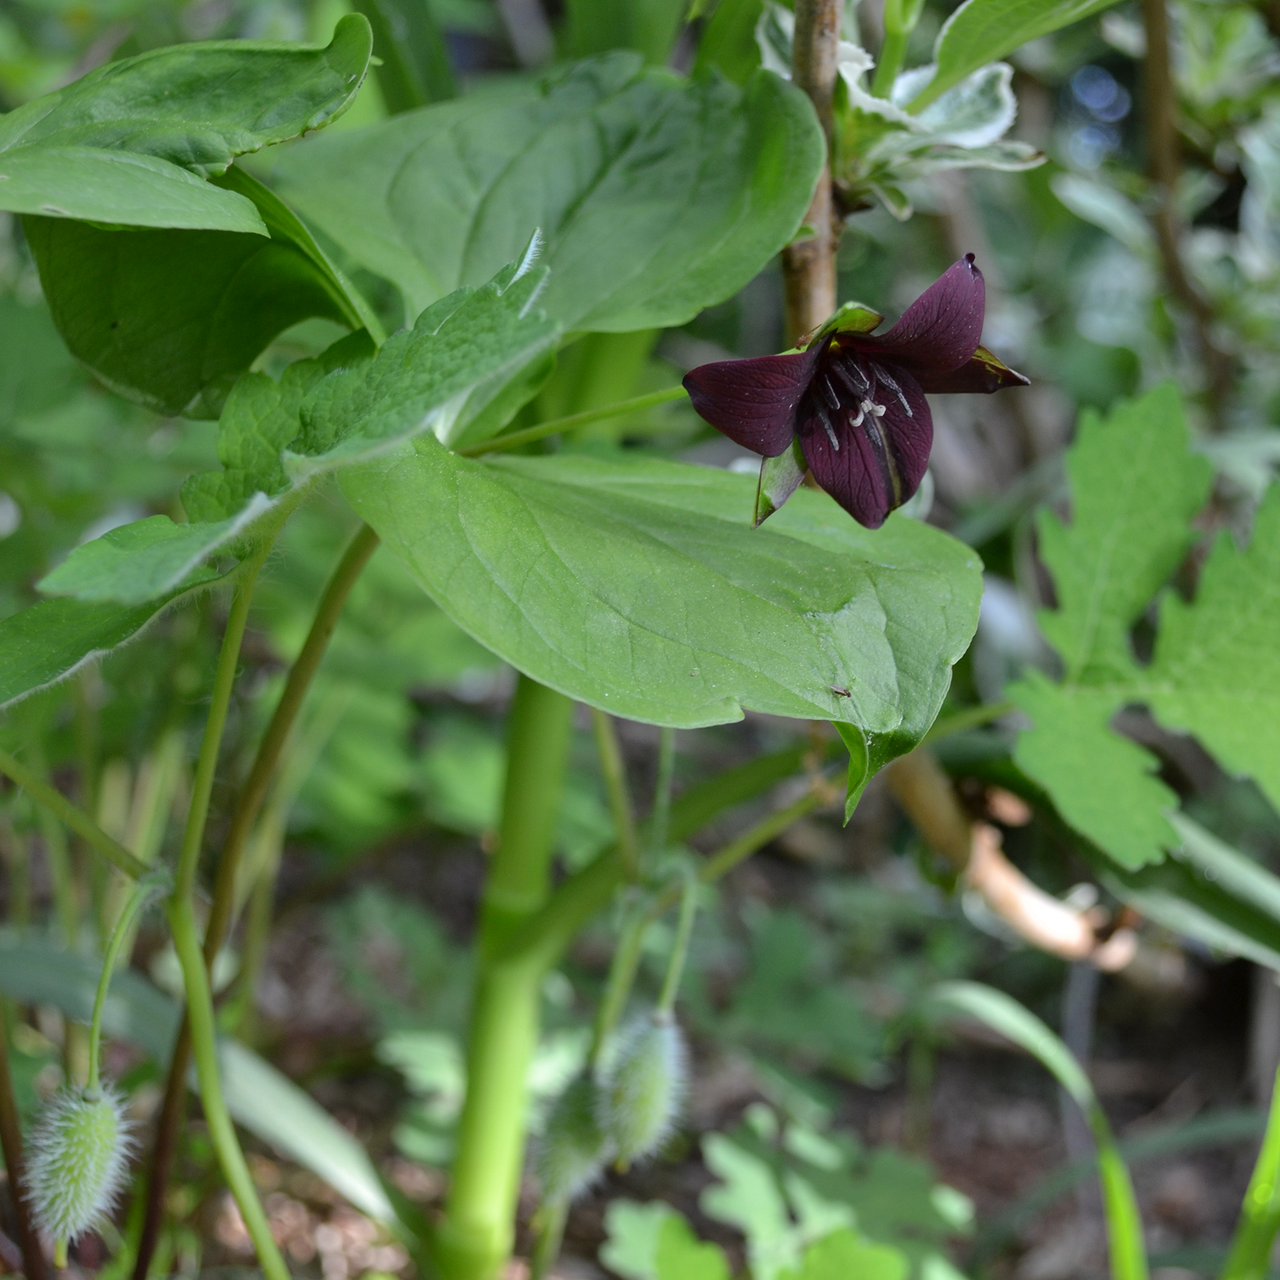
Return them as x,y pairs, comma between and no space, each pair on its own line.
11,1144
1164,168
809,265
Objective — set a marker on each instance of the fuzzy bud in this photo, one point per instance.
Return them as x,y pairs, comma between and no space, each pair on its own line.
643,1092
79,1155
572,1150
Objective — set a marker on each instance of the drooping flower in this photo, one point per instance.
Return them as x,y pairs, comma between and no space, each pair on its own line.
853,400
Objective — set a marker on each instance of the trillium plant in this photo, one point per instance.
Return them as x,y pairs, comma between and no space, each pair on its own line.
429,331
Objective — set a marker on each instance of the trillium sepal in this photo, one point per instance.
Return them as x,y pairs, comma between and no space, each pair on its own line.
852,402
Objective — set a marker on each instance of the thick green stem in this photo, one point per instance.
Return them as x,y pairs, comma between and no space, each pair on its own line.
222,1132
476,1237
1255,1233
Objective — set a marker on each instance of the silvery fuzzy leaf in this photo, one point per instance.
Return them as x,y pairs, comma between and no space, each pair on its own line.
918,161
977,112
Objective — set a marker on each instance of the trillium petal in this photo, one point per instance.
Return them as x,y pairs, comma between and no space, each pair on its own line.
941,329
983,373
753,402
882,459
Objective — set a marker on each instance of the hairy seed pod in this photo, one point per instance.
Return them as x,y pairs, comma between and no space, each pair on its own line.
572,1149
642,1094
80,1149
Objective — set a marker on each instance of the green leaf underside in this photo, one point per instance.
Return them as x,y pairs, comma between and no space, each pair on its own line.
199,105
172,318
1215,672
641,589
266,1102
983,31
118,187
51,640
657,197
147,559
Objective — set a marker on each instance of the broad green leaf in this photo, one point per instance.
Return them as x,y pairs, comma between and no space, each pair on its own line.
1134,488
260,418
728,41
172,318
259,1097
199,105
1101,783
439,376
640,587
680,1255
1216,671
844,1254
982,31
658,197
118,187
52,640
147,559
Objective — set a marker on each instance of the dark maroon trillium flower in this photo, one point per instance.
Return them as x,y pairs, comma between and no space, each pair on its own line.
853,400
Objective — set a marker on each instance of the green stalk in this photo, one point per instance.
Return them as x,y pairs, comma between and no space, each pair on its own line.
969,718
680,948
547,1250
476,1236
222,1132
660,818
143,891
1255,1233
53,801
560,426
615,783
207,762
622,974
892,54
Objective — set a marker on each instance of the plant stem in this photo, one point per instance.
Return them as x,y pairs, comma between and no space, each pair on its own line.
892,54
547,1249
809,265
207,762
560,426
660,818
221,1131
969,718
622,973
476,1236
615,784
11,1144
1250,1252
142,893
248,804
767,829
51,799
680,948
